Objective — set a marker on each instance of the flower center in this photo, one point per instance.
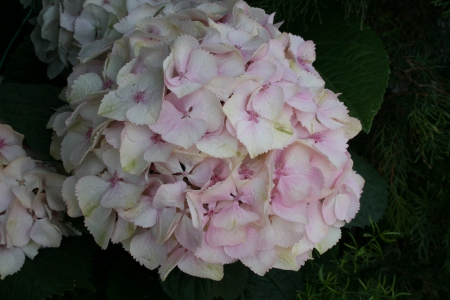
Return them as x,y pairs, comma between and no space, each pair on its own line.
2,144
253,116
157,138
245,172
187,113
215,178
139,96
107,84
279,172
317,137
114,179
89,133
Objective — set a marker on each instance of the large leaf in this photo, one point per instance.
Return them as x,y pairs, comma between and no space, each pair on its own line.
181,286
275,284
24,66
52,271
374,199
27,109
351,60
128,280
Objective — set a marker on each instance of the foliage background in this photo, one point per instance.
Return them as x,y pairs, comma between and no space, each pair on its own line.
406,254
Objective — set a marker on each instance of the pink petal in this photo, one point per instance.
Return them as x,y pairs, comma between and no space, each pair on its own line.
261,262
247,248
178,129
188,236
296,213
210,254
268,101
316,229
256,136
233,215
217,237
287,233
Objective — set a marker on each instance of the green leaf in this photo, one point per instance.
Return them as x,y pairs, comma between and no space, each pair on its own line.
27,109
374,199
275,284
128,280
181,286
350,60
52,271
24,66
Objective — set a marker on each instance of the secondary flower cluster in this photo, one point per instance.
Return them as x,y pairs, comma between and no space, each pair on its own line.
204,136
31,206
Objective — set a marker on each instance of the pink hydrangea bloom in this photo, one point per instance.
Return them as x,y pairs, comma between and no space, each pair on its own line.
204,136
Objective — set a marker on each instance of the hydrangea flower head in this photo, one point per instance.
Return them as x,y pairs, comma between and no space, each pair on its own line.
202,135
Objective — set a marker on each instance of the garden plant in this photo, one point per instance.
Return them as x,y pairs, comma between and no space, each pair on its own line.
196,150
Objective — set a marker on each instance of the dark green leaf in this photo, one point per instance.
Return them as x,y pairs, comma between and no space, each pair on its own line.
374,199
24,66
27,109
275,284
234,282
52,271
350,60
181,286
128,280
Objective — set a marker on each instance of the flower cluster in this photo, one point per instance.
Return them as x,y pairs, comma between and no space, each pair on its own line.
31,206
203,136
